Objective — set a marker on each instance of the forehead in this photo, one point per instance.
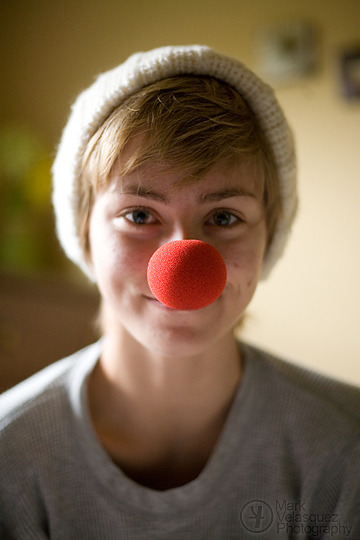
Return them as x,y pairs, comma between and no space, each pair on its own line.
151,175
157,178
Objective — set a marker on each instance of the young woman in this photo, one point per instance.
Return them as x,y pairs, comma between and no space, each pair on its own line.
169,427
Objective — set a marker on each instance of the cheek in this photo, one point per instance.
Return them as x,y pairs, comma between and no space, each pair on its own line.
113,257
244,265
116,259
243,271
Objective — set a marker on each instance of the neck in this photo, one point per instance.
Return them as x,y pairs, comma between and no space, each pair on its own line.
141,374
165,405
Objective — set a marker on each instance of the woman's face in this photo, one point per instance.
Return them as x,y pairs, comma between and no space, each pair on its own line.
147,208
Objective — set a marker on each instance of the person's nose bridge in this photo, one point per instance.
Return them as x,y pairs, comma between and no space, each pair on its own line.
186,229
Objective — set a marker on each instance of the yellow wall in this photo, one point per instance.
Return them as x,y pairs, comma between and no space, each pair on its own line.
308,310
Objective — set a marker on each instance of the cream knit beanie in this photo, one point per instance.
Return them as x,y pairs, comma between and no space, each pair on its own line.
94,104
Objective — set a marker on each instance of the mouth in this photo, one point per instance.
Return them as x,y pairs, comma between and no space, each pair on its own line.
168,308
160,304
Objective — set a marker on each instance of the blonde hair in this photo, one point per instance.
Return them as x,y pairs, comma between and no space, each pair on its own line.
188,123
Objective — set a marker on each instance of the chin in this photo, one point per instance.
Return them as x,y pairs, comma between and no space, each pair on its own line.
186,340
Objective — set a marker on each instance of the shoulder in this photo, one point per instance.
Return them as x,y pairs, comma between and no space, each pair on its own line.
318,406
38,423
37,427
42,393
313,422
310,426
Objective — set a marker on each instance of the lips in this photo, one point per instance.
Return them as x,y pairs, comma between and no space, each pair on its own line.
160,304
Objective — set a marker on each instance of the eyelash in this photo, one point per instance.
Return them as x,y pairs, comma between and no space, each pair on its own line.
235,220
138,209
229,215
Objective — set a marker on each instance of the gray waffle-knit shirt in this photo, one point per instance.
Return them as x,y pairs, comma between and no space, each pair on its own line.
286,464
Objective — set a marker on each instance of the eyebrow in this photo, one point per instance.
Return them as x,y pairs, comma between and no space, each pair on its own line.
226,194
141,191
215,196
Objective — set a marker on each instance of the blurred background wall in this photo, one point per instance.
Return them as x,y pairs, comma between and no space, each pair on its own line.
308,310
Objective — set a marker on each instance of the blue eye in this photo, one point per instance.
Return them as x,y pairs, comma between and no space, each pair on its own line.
224,219
140,216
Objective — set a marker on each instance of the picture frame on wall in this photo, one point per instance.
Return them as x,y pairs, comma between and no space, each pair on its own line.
350,73
287,52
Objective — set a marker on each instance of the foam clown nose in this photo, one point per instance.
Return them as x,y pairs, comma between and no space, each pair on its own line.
186,274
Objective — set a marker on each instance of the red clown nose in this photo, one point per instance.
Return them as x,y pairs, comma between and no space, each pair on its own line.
186,274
